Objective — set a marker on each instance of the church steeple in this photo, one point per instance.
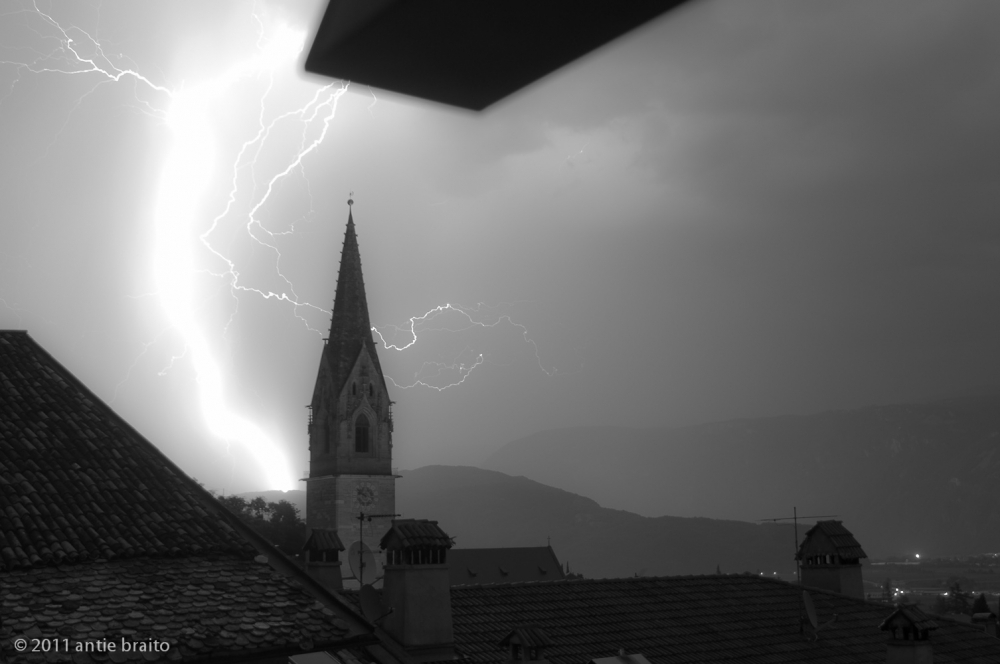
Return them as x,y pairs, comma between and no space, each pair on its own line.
350,430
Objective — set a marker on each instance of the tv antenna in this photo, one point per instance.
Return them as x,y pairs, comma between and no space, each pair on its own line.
795,518
360,572
811,613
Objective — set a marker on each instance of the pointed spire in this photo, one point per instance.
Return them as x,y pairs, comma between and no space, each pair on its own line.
350,327
350,306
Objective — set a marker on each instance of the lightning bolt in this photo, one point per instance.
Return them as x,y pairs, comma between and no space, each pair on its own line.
473,318
187,242
181,234
185,173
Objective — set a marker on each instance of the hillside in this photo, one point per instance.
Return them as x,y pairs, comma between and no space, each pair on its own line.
904,478
482,508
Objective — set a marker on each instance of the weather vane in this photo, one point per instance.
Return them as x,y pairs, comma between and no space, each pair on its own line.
350,201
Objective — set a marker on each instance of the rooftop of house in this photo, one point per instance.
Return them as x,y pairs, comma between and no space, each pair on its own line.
465,54
102,536
732,618
503,565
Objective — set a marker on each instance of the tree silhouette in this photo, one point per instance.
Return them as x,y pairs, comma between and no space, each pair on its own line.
279,523
958,599
258,507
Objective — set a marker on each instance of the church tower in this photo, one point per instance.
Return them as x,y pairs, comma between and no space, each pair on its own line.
350,426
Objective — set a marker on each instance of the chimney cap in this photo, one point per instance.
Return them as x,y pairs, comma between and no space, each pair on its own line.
410,533
907,616
830,537
531,636
321,540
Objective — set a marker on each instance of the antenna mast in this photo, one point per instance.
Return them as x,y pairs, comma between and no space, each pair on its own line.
795,519
361,539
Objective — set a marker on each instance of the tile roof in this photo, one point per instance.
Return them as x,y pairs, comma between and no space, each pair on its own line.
77,483
201,605
840,538
504,565
101,534
689,619
406,533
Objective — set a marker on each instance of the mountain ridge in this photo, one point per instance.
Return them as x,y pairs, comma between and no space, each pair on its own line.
906,478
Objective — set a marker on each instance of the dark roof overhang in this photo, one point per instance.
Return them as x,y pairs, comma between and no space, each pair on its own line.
466,54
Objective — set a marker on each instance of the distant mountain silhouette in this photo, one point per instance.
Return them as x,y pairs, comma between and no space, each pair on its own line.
483,508
910,478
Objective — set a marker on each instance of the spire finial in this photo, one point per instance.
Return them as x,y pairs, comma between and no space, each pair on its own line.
350,201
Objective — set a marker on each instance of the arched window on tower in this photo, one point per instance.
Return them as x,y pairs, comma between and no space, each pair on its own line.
361,434
354,389
371,390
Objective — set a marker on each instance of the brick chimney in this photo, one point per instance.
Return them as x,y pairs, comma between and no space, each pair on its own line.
417,588
831,559
526,643
322,552
909,640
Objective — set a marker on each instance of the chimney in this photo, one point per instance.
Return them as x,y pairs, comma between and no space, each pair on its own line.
322,553
526,643
831,559
909,640
987,622
417,588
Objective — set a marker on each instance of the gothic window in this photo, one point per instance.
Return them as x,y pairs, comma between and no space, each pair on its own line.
371,390
354,389
361,434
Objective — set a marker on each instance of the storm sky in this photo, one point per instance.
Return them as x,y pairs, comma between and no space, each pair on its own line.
741,209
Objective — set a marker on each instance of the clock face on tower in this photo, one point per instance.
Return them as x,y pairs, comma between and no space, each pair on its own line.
366,496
